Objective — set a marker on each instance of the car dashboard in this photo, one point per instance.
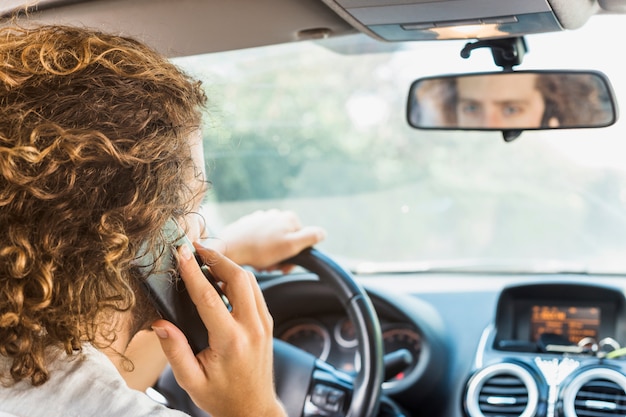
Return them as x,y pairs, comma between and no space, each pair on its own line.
472,345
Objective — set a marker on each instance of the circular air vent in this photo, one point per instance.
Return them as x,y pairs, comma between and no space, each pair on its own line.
504,389
598,392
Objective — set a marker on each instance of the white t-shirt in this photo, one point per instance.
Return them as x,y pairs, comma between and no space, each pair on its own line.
85,386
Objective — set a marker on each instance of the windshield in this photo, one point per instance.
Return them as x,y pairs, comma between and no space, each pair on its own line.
319,128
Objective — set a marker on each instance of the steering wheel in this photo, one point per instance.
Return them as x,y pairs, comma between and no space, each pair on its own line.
307,386
310,387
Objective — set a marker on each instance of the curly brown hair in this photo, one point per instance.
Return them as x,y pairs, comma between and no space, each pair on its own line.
574,99
94,158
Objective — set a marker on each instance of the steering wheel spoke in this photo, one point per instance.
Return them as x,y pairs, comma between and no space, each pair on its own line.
330,393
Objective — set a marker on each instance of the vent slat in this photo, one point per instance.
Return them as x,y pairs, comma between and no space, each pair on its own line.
600,404
594,396
503,396
602,384
501,410
600,398
502,399
514,391
504,380
589,413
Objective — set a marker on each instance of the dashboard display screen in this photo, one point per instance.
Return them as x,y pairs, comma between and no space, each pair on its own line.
572,322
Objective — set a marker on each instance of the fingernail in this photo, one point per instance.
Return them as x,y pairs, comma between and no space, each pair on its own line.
161,332
185,252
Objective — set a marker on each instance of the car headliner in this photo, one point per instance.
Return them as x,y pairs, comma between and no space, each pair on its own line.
187,27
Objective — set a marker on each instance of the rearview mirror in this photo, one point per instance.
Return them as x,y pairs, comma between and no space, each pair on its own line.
520,100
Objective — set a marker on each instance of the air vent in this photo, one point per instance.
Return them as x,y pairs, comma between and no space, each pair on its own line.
501,390
598,392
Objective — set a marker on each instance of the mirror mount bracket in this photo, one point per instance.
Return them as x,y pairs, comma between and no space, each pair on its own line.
506,52
511,135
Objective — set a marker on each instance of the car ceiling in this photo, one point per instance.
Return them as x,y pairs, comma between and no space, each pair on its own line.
187,27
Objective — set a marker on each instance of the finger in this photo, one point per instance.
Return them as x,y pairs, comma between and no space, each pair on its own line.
179,354
306,237
284,268
292,218
211,308
261,305
236,280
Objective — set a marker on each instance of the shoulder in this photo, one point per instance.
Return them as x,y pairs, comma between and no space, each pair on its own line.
87,384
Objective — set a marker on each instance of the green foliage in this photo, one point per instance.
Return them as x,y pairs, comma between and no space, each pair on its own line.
260,147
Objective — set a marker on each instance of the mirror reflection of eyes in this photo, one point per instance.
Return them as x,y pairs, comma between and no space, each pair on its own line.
513,100
470,107
473,108
512,110
506,109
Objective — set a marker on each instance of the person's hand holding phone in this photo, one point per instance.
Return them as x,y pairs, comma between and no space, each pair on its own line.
234,376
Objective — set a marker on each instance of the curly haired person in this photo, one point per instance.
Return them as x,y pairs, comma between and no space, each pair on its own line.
99,148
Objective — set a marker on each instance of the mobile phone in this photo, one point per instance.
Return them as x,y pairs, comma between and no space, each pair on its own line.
167,291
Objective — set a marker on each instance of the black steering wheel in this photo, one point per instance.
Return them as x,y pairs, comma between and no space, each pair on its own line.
310,387
306,385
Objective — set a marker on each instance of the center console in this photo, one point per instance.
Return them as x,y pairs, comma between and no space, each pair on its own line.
553,349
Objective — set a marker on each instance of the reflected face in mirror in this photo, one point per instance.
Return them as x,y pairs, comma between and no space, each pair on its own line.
503,102
512,101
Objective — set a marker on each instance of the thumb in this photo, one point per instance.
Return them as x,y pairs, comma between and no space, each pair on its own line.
176,348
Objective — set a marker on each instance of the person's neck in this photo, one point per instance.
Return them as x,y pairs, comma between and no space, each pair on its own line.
116,349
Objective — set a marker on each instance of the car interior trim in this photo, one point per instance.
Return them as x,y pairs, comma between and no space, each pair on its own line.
478,380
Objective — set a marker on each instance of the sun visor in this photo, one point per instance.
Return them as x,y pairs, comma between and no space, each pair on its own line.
406,20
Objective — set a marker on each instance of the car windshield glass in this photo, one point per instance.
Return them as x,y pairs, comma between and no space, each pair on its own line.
319,127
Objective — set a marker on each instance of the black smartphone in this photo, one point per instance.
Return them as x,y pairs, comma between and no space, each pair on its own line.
167,291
